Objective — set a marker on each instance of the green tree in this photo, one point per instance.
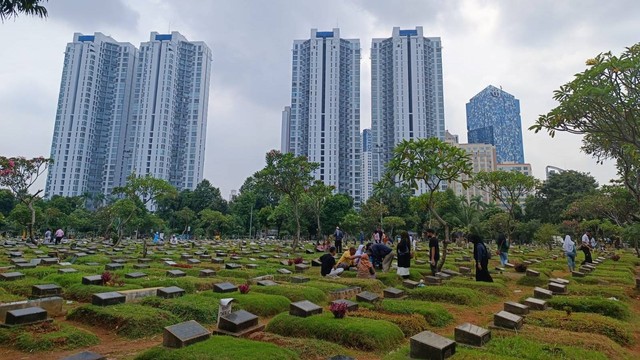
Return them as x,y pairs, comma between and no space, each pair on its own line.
335,208
393,222
184,217
19,174
372,213
288,175
316,196
507,188
206,196
352,223
214,221
12,8
430,163
7,201
546,235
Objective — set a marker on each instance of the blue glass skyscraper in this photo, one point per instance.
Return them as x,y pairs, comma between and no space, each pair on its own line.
493,117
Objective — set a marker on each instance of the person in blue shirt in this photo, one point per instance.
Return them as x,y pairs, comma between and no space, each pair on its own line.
382,253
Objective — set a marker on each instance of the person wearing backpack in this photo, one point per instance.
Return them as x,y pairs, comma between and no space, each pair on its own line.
503,249
481,256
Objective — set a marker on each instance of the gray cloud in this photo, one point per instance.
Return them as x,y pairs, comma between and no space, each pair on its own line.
94,15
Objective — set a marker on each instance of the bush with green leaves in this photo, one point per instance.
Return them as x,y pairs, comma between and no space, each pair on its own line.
128,320
434,314
616,330
359,333
592,304
460,296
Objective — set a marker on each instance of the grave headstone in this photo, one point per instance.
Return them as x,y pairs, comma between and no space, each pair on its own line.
284,271
393,293
516,308
170,263
473,335
351,306
560,281
299,279
252,266
141,266
507,320
11,276
533,273
304,308
432,280
224,287
316,263
301,267
557,289
184,334
135,275
67,271
451,272
193,261
85,355
535,304
267,283
428,345
443,276
367,296
27,316
176,273
232,266
108,298
238,322
114,266
464,270
410,284
46,290
207,273
577,274
541,293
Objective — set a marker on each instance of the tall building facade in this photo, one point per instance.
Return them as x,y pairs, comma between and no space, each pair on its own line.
407,100
169,112
324,122
483,158
122,110
367,184
493,117
92,116
285,133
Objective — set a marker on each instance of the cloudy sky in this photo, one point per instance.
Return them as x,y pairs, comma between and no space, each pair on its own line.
529,48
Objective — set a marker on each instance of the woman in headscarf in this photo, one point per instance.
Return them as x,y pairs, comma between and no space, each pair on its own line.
481,256
359,253
403,250
365,268
569,248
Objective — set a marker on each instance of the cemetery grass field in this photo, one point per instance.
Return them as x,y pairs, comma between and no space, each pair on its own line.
598,317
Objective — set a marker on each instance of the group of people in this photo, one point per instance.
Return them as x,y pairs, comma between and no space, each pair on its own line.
56,239
587,244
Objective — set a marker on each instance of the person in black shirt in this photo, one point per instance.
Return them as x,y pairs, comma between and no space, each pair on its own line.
434,250
481,256
328,267
382,253
338,234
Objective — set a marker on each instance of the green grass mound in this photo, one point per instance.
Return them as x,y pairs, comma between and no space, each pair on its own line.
307,349
47,336
410,324
533,281
188,307
6,297
604,291
595,305
20,287
256,303
372,285
616,330
128,320
496,288
221,348
83,293
511,348
294,292
434,314
459,296
362,334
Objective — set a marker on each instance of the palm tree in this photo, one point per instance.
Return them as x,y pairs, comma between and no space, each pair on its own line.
12,8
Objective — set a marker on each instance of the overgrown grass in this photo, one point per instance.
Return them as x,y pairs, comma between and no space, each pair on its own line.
595,305
460,296
410,324
533,281
604,291
616,330
47,336
128,320
221,348
294,292
20,287
496,288
188,307
363,334
434,314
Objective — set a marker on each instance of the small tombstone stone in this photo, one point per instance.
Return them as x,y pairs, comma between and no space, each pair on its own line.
560,281
235,258
299,279
284,271
316,263
119,261
29,265
85,355
420,262
184,334
301,267
11,276
107,298
556,288
113,266
284,262
393,293
473,335
428,345
46,290
170,292
238,321
451,272
252,266
304,308
170,263
351,306
141,266
30,315
507,320
535,304
533,273
232,266
432,280
541,293
207,273
367,296
264,257
410,284
516,308
205,257
267,283
217,260
577,274
193,261
224,287
464,270
186,256
135,275
18,261
443,276
309,251
49,261
176,273
67,271
466,258
585,269
92,280
143,261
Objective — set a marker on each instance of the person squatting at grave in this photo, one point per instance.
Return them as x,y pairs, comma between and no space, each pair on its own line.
338,235
347,259
434,250
586,247
503,249
365,268
569,248
481,256
382,253
403,250
328,267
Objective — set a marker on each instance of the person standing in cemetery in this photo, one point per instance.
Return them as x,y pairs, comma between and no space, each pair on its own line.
481,256
434,250
365,268
328,264
569,248
382,253
47,236
503,249
377,235
403,250
338,235
59,235
586,247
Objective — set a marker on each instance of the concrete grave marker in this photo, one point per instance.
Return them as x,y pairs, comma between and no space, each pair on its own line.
299,279
304,308
239,323
541,293
473,335
92,280
85,355
108,298
393,293
516,308
170,292
184,334
11,276
224,287
507,320
351,306
176,273
207,273
27,316
367,296
135,275
535,304
46,290
428,345
556,288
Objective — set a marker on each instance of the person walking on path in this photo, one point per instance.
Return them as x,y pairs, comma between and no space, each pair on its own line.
403,250
569,248
434,250
586,247
503,249
338,235
59,235
481,256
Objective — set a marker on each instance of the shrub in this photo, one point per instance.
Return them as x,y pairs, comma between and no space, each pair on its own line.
294,292
596,305
338,309
221,348
244,288
445,294
616,330
128,320
434,314
47,336
362,334
188,307
409,324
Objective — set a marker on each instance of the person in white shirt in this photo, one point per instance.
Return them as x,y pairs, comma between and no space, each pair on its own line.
586,247
569,248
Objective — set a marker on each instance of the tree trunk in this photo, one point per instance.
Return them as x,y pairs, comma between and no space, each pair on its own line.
296,213
318,222
33,220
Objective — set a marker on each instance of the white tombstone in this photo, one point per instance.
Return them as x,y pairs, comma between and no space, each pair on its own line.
224,308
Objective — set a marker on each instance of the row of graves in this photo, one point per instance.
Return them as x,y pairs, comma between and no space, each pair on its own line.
225,270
